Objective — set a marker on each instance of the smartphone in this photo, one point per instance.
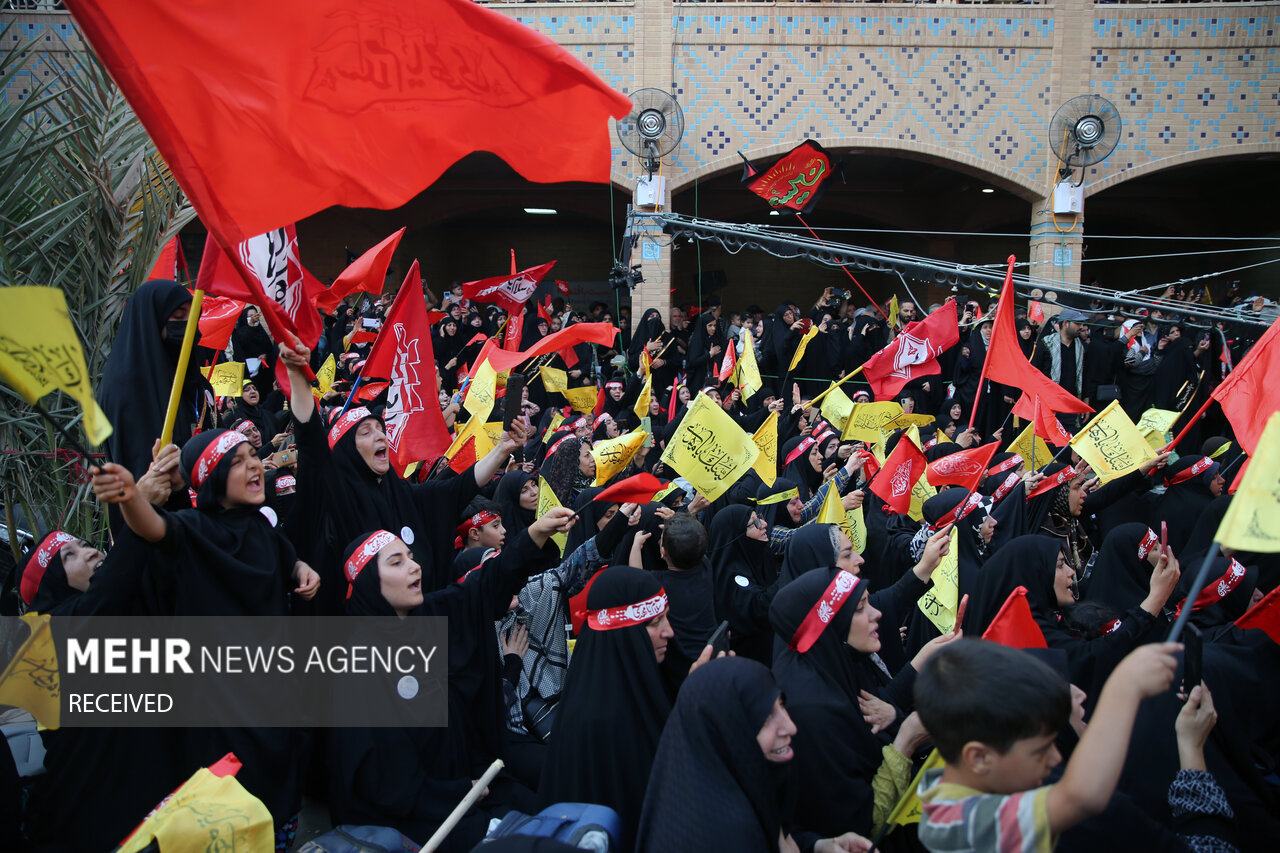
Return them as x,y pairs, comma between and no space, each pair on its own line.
964,602
1192,658
514,408
1164,536
719,641
805,325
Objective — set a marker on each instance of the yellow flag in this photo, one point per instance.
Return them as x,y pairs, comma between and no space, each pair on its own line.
940,601
325,375
645,362
709,449
1252,522
39,351
804,345
207,812
227,378
583,398
1160,419
1022,446
747,373
475,428
31,681
1111,444
920,493
613,454
904,421
482,392
556,419
893,311
836,407
909,810
852,523
547,500
641,407
766,441
858,530
867,419
553,378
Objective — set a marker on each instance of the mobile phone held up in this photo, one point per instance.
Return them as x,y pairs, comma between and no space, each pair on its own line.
719,641
1192,658
514,406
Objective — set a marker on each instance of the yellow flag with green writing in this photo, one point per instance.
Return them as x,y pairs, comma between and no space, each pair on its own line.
709,449
1111,444
39,352
836,407
547,500
227,378
766,441
613,454
1252,522
31,680
747,373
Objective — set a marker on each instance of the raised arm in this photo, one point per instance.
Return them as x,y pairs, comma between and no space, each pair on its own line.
114,484
496,458
295,360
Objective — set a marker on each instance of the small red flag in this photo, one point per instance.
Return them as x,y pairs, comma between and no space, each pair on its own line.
965,468
1014,626
218,316
1048,427
894,482
1265,615
515,328
638,489
914,352
729,362
366,274
403,354
1249,394
595,333
508,292
166,266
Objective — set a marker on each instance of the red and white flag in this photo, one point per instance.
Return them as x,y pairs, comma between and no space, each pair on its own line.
404,355
729,362
914,352
964,468
894,482
509,292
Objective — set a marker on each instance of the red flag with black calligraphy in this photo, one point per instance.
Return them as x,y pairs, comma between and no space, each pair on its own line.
795,182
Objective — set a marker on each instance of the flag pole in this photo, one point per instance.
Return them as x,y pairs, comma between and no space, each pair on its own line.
1196,586
843,267
66,435
1194,418
836,384
982,377
184,358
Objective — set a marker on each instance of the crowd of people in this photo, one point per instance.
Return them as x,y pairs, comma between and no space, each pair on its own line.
579,637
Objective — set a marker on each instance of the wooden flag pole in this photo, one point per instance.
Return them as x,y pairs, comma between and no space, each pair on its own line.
184,358
1196,586
836,384
477,790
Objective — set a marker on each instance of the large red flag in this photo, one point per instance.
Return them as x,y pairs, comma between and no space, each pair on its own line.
270,112
1006,364
218,316
894,482
508,292
964,468
914,352
1014,626
366,274
578,333
404,355
1245,395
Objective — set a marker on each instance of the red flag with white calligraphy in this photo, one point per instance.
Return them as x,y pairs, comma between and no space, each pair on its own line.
509,292
894,482
914,352
964,468
404,355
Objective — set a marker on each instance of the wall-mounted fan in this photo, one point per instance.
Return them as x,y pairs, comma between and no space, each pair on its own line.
653,128
1084,131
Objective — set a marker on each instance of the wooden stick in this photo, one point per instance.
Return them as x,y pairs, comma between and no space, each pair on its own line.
834,385
461,808
184,358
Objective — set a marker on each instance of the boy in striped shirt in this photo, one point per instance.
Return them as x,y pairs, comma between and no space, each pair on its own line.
994,713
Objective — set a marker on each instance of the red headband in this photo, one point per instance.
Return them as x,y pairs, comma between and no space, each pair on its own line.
480,519
803,446
613,383
823,611
1066,475
1187,473
1219,589
1148,542
610,618
1012,462
212,455
604,416
959,511
1007,486
361,556
243,425
286,481
578,423
345,423
44,554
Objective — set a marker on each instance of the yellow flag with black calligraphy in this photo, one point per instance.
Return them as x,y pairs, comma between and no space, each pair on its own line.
326,374
1252,522
1112,444
909,809
940,601
833,512
483,391
766,441
747,373
920,492
906,421
1155,425
613,454
553,378
867,420
804,345
709,449
582,399
227,378
31,680
475,428
208,812
836,407
39,352
547,500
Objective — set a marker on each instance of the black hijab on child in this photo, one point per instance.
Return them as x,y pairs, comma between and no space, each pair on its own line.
514,517
711,787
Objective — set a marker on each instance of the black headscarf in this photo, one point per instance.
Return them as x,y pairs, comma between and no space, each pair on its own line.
775,513
1121,578
808,548
1028,561
650,328
711,787
611,711
822,687
1184,502
745,573
590,511
798,470
137,378
514,517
